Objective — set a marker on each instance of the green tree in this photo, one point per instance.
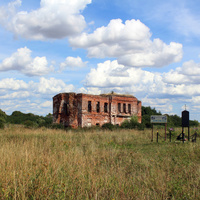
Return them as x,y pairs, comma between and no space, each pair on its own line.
30,124
146,114
3,118
194,123
2,123
3,114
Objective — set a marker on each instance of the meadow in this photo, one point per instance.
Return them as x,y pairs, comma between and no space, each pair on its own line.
96,164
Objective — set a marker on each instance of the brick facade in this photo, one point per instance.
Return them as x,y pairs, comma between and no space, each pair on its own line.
81,110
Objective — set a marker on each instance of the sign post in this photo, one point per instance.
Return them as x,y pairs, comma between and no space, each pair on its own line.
159,119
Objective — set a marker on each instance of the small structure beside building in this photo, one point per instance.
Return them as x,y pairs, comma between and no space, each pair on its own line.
84,110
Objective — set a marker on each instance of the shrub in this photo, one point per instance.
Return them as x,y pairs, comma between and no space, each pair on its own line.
125,124
41,122
108,126
132,123
30,124
140,126
57,126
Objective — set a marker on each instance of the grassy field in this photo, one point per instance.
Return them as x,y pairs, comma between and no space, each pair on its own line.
96,164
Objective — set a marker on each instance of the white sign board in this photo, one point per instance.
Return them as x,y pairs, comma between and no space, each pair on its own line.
158,119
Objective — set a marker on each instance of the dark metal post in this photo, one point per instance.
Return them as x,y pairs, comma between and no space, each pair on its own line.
165,131
152,134
170,136
157,136
183,136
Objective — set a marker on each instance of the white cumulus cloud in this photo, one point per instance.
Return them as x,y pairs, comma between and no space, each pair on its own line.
16,95
191,68
46,104
54,19
110,75
72,62
23,62
159,90
50,86
188,74
12,84
130,43
33,96
44,86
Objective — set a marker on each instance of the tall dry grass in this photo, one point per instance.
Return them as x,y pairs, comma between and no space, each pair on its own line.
121,164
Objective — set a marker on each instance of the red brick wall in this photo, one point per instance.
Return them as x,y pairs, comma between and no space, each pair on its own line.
93,117
72,109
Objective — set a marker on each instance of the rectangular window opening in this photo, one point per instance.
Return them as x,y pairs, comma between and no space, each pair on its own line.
105,107
89,106
98,107
129,108
124,108
66,108
119,107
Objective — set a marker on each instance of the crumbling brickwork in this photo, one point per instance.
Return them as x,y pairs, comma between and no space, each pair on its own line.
83,110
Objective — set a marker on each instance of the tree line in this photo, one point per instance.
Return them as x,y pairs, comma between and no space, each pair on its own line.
34,121
172,120
28,120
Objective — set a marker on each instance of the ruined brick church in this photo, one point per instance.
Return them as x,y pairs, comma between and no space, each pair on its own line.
84,110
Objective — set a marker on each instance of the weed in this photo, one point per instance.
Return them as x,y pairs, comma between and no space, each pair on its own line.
96,164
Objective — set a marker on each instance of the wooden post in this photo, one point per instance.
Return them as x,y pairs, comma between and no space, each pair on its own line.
195,136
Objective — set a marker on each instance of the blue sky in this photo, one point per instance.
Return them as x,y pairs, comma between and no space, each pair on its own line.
150,49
